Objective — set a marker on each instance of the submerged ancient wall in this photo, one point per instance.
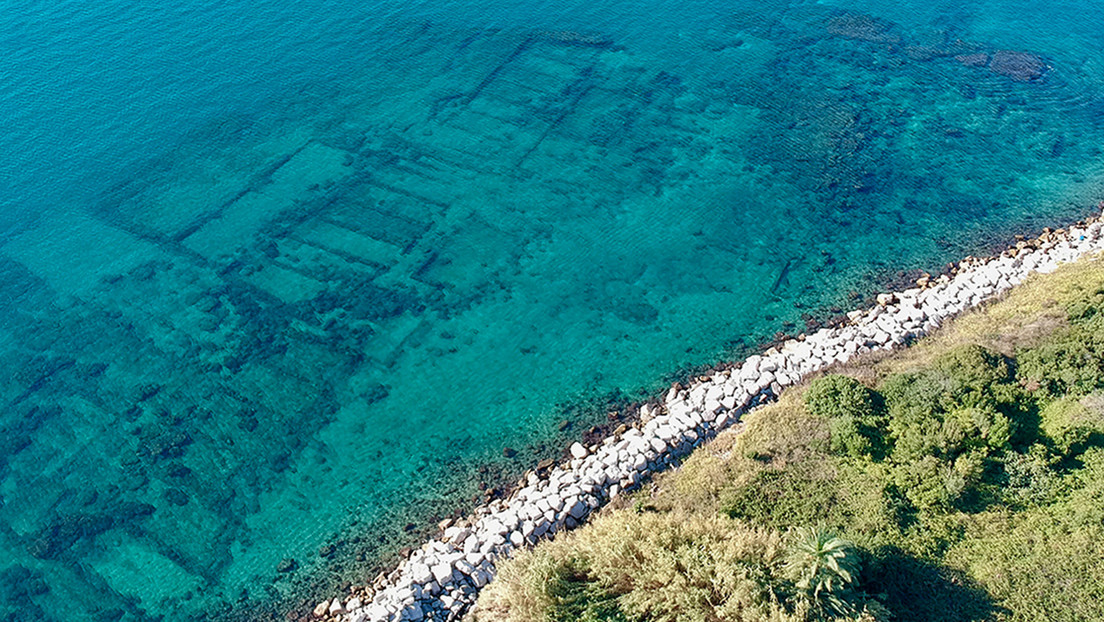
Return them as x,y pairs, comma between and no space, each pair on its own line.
441,580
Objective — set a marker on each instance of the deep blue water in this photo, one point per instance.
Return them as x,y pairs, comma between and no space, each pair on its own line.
280,281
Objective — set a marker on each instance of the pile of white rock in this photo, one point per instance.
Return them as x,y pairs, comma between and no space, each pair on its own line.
441,580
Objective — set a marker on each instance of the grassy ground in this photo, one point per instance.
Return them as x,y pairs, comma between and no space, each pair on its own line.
959,479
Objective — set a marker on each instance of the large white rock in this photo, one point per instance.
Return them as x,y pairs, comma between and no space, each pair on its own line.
337,607
465,568
766,378
442,573
420,573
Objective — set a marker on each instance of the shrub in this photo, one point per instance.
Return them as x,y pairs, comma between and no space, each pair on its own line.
963,476
835,396
965,400
1068,366
784,497
970,428
923,483
1091,473
849,436
912,391
965,376
972,368
1030,479
914,404
1072,424
916,433
851,411
1072,361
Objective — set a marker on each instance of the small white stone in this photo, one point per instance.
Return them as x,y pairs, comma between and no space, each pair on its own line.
578,451
465,568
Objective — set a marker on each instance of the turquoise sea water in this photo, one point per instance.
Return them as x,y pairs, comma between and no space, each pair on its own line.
279,280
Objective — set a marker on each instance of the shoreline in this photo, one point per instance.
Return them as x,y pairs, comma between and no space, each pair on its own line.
441,580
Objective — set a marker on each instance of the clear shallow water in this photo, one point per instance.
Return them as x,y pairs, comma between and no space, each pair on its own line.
283,276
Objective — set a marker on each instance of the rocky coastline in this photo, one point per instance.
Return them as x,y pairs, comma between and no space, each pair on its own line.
441,580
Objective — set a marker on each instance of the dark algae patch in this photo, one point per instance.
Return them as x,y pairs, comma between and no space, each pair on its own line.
272,284
956,480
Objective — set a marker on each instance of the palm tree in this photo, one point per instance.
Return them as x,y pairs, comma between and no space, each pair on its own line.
822,566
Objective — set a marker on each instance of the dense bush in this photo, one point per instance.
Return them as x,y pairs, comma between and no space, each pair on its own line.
971,369
1031,478
851,411
966,399
796,495
1073,424
1072,361
665,567
675,567
835,396
1073,366
850,437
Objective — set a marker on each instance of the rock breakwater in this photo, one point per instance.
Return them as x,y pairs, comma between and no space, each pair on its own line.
441,580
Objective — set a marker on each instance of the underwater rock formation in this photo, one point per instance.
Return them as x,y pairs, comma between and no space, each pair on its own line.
1020,66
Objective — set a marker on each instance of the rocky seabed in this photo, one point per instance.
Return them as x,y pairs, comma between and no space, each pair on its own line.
441,580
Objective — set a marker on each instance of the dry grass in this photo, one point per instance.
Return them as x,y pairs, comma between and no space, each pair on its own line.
1025,316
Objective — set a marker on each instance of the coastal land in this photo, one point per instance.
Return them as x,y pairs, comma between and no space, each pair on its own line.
284,299
957,479
443,579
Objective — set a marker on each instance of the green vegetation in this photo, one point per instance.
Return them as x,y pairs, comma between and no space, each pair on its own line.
961,479
849,408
